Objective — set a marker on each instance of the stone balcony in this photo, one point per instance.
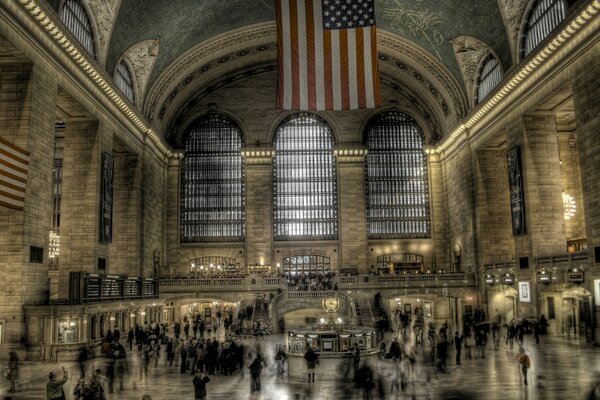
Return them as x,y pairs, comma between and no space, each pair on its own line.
254,283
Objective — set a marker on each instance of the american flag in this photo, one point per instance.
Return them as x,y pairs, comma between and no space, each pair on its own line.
327,55
13,175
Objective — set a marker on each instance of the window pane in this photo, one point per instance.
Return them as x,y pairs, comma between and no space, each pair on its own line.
123,80
489,78
74,17
304,185
212,182
396,179
545,16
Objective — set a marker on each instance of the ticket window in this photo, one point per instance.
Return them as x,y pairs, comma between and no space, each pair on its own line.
68,331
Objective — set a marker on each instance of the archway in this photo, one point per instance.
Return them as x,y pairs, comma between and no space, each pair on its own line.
568,310
502,304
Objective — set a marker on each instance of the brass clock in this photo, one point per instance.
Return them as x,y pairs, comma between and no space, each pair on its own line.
331,304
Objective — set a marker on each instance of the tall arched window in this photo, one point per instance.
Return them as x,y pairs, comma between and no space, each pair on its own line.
304,180
489,77
396,178
212,182
545,16
75,18
124,81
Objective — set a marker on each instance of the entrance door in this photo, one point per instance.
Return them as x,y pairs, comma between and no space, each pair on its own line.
509,308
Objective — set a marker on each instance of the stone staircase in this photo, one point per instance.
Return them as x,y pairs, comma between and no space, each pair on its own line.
363,312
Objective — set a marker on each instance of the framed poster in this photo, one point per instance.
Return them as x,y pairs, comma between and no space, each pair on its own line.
515,183
524,292
106,198
597,291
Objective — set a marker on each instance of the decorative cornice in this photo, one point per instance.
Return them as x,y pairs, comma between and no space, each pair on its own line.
105,13
258,155
520,80
142,57
512,12
54,29
350,154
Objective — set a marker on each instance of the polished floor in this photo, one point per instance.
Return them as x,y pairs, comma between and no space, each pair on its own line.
563,369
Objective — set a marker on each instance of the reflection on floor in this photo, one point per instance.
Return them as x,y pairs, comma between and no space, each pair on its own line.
562,370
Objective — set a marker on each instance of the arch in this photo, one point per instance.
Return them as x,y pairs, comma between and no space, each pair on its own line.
396,178
212,182
304,180
196,117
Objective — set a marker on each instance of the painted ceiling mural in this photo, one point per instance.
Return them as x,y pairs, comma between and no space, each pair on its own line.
182,24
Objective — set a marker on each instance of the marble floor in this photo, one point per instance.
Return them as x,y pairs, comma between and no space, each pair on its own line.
563,369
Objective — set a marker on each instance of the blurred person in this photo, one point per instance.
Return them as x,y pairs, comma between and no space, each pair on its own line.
524,362
458,340
200,381
12,371
54,386
312,359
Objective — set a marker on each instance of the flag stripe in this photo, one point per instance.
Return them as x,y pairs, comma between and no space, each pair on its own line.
328,70
368,68
360,64
295,54
280,45
336,70
352,78
13,175
375,69
319,63
287,55
310,50
302,56
344,68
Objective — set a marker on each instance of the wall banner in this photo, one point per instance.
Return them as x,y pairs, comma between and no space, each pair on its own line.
515,183
106,198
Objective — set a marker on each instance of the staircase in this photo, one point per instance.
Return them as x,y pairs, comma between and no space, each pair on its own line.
260,314
363,312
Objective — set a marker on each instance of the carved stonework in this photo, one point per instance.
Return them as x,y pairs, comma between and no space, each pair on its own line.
105,14
142,57
469,53
512,13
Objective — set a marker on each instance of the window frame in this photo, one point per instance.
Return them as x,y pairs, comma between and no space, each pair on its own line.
529,42
484,77
315,215
395,219
127,87
78,27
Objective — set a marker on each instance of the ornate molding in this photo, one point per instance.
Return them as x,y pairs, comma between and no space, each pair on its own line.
444,78
350,154
183,66
142,57
512,13
258,155
105,13
469,52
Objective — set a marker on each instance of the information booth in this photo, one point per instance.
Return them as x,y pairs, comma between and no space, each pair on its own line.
334,348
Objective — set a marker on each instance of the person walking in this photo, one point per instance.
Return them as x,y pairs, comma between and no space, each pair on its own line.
255,368
458,340
13,371
524,362
312,359
200,381
54,386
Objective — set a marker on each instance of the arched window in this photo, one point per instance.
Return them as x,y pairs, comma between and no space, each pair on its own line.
212,182
396,178
124,81
489,77
545,16
75,18
304,180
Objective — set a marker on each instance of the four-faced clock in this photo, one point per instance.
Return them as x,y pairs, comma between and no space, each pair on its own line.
330,304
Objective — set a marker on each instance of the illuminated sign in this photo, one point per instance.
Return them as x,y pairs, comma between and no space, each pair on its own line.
524,292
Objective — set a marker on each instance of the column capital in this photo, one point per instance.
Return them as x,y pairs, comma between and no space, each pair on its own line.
258,155
350,153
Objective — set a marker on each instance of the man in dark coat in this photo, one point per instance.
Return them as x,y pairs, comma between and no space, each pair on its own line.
312,359
200,381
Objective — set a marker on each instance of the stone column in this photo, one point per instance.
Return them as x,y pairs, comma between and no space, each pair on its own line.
437,205
173,201
125,248
352,206
259,199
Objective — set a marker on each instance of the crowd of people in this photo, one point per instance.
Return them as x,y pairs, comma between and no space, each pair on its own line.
311,281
